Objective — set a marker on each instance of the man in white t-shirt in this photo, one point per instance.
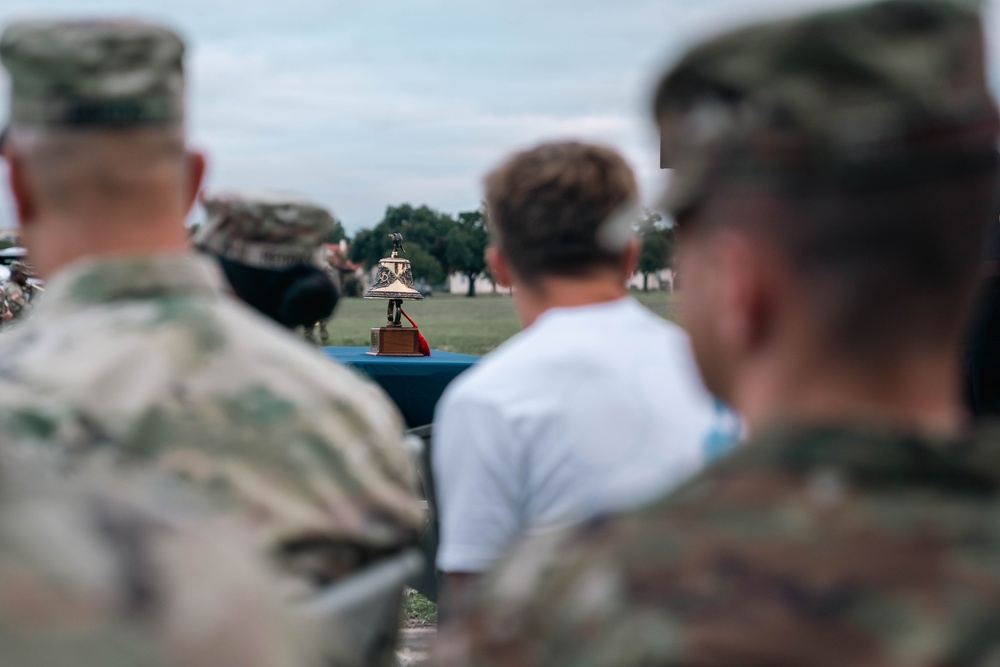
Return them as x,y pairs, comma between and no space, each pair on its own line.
596,406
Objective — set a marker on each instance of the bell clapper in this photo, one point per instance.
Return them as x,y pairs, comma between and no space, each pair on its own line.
394,312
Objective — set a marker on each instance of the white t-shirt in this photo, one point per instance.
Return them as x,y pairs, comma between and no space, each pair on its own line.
590,410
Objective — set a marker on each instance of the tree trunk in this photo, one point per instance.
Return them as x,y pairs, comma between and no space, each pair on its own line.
472,284
645,282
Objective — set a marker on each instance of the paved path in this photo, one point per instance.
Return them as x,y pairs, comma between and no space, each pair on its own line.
414,645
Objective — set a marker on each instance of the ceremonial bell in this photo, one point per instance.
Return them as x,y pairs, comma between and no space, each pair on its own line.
394,281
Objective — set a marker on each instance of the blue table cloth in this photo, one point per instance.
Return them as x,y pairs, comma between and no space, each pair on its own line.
413,383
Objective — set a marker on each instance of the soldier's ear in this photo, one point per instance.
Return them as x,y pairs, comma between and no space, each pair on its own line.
747,310
195,176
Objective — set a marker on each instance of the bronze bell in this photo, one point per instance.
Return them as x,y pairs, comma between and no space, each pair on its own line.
394,281
393,276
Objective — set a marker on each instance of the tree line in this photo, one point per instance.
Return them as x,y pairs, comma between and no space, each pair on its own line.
439,244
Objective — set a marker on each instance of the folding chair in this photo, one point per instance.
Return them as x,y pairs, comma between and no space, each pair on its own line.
427,581
362,611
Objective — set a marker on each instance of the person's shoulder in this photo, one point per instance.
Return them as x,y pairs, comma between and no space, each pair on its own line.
660,336
589,576
257,350
494,371
751,532
569,598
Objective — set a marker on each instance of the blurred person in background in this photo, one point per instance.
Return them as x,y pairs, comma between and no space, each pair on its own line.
139,358
267,244
833,179
596,406
18,292
319,332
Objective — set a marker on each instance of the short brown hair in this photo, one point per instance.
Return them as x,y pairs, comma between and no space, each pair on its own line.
548,205
882,269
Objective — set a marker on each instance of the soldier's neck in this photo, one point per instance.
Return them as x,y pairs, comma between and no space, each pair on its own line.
920,395
56,244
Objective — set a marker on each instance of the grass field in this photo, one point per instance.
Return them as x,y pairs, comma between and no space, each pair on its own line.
453,323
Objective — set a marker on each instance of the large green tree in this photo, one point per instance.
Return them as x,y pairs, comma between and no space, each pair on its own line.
466,246
420,226
657,246
337,234
435,243
425,266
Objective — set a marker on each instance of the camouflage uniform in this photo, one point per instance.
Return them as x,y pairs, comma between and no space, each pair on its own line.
5,308
18,297
135,584
149,363
813,545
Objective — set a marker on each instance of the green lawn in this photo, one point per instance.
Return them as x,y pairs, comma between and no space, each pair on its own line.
452,323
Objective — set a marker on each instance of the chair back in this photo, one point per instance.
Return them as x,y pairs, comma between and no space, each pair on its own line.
362,611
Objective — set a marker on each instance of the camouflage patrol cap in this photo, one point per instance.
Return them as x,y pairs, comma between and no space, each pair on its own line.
893,91
266,230
93,74
20,266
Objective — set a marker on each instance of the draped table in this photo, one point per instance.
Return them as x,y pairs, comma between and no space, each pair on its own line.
414,384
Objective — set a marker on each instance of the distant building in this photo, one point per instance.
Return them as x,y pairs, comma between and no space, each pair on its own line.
458,283
661,280
350,275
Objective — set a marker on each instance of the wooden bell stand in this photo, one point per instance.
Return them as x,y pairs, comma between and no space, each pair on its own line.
395,340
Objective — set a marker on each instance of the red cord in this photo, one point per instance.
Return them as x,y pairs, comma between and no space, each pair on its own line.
425,349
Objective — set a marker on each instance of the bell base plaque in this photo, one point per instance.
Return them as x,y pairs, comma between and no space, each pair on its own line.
395,342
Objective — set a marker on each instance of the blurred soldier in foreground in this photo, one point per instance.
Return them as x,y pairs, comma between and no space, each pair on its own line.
95,579
138,354
833,181
18,292
266,244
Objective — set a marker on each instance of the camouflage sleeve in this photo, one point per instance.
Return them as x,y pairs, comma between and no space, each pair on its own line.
140,590
15,301
553,603
220,607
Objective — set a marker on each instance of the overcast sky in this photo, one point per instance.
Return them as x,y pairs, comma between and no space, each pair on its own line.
363,103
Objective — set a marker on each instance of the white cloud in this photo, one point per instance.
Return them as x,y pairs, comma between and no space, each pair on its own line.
364,103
